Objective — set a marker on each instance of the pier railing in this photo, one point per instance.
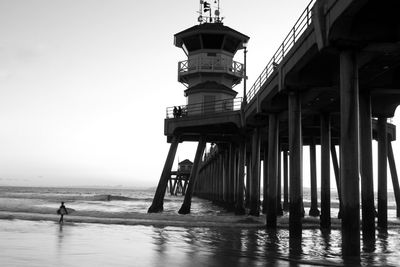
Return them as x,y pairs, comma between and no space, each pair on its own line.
297,30
210,64
205,108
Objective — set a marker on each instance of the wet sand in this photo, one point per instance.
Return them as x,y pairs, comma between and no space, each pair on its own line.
46,243
38,240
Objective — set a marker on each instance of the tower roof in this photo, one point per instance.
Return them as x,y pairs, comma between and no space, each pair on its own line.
210,36
185,162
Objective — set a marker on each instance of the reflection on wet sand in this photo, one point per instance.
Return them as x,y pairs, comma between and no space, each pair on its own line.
249,247
48,244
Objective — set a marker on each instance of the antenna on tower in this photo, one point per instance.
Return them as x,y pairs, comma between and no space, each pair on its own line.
217,12
206,7
200,18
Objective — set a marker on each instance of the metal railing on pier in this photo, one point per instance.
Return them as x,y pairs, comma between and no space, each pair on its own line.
297,30
205,108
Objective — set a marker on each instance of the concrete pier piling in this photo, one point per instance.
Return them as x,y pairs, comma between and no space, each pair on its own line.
395,180
313,179
220,179
325,171
382,173
255,174
158,200
296,164
231,177
226,176
349,153
248,179
335,164
265,180
234,174
240,209
279,208
273,152
285,181
366,168
185,209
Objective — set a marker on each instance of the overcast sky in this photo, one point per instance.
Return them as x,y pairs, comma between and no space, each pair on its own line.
84,84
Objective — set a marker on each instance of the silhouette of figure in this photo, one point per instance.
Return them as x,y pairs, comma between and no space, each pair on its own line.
62,211
179,111
175,112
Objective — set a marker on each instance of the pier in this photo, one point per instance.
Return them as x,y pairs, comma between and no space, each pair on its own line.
334,82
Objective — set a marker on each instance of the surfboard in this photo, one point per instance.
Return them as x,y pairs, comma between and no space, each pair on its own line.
62,211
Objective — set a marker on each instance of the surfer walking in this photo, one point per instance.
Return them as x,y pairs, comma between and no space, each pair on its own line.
62,211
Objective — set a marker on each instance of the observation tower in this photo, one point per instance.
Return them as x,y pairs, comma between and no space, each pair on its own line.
212,113
209,72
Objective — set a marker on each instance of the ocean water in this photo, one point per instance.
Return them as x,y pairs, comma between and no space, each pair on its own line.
110,227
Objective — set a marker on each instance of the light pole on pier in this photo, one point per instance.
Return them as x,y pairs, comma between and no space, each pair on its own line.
244,74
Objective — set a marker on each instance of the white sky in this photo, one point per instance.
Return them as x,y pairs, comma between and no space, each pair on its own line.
84,84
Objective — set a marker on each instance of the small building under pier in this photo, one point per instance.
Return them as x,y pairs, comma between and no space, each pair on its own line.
179,179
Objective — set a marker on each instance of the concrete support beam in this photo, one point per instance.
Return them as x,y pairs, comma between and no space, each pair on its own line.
273,148
216,179
226,176
296,163
265,180
255,174
313,178
235,175
220,180
279,209
325,172
335,163
214,195
187,202
382,173
158,200
232,174
240,210
366,169
209,178
395,180
349,154
248,179
207,181
171,187
285,181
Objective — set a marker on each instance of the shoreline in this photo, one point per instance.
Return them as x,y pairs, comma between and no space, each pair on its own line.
163,220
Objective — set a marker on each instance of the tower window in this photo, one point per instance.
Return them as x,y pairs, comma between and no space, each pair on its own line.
231,44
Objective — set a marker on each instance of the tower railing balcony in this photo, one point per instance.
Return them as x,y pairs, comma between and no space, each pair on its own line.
218,65
205,108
